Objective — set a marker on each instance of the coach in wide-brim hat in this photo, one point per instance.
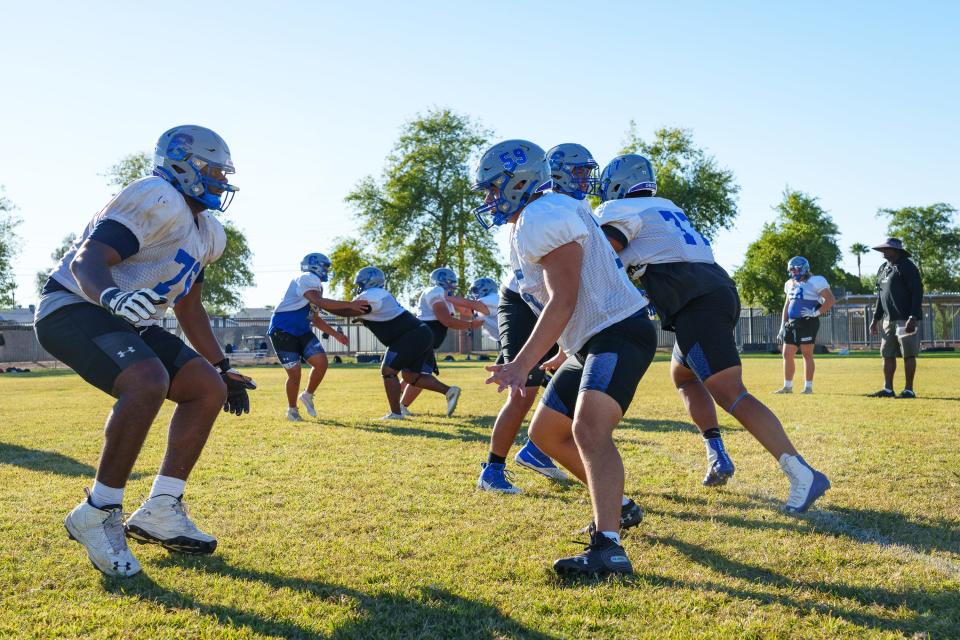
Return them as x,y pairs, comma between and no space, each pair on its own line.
892,243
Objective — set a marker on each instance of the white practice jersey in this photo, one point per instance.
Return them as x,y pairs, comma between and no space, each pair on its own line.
509,281
383,306
294,298
174,244
428,298
657,231
803,295
606,295
490,327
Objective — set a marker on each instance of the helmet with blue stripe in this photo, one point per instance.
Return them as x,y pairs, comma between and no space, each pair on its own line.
798,267
626,174
509,173
368,278
316,263
483,287
445,278
574,171
196,161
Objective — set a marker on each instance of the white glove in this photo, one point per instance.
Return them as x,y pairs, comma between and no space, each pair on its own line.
810,313
783,333
132,306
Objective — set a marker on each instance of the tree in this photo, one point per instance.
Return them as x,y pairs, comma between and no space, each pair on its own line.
347,257
224,280
418,216
933,239
687,175
858,249
56,255
9,246
801,228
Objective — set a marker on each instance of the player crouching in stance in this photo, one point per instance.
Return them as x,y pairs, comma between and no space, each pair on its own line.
508,320
409,342
808,298
292,336
435,309
100,313
697,300
569,275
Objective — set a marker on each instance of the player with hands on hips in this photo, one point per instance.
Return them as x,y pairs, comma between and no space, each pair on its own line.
291,335
808,298
100,312
698,301
569,275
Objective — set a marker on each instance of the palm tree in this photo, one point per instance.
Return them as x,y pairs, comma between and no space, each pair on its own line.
858,249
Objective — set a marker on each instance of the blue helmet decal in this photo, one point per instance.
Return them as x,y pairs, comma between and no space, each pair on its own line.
444,277
483,287
317,263
798,267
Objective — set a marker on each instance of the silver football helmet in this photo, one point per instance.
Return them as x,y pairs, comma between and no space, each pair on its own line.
368,278
483,287
798,267
317,263
509,172
445,278
196,161
626,174
573,169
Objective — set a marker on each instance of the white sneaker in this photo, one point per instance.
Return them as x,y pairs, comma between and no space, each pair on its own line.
406,413
452,395
100,531
784,390
392,416
307,400
806,483
293,415
163,520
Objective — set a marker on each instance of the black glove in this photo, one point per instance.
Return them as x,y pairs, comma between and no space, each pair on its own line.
237,384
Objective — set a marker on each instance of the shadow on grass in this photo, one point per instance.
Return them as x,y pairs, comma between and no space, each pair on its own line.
934,611
657,426
434,613
922,535
44,461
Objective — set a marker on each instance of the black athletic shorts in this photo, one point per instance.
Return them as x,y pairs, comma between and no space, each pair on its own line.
802,331
292,349
516,320
613,361
98,345
704,328
412,351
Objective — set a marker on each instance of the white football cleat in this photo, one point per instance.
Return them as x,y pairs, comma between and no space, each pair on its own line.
392,416
452,396
307,400
406,413
163,520
293,415
806,483
100,531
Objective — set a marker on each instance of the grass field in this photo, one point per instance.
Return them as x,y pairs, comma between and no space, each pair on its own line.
351,528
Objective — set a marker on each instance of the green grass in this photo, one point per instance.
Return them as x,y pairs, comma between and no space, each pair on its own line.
351,528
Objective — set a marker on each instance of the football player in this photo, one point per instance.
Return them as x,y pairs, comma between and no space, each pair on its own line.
574,173
101,313
696,299
808,298
409,342
574,282
292,336
435,308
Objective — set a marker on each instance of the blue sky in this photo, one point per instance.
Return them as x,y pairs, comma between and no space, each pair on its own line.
857,104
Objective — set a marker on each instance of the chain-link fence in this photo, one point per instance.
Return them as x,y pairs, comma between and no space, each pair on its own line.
245,339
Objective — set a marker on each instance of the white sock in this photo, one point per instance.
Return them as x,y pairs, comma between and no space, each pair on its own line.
613,535
887,389
102,495
788,384
307,393
167,486
624,501
808,384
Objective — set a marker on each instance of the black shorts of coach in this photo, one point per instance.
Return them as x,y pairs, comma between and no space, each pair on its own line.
801,331
412,351
613,361
516,320
99,346
704,328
